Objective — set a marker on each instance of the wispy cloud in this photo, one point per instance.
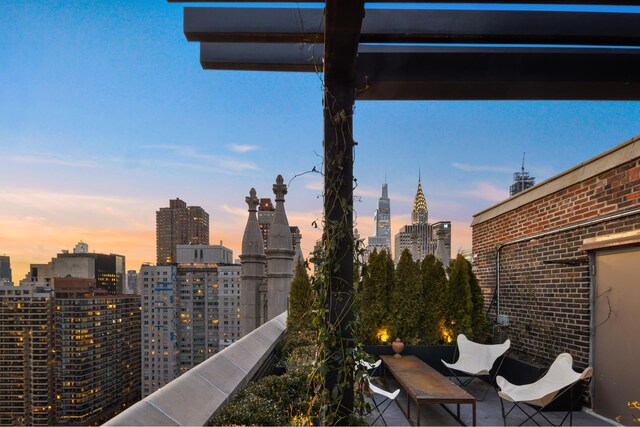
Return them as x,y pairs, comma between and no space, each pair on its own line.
223,162
485,191
51,159
238,148
481,168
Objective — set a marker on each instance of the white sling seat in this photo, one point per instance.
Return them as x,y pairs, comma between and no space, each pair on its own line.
559,378
388,397
477,359
543,391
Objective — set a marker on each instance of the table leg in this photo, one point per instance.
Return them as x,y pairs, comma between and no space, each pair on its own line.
458,410
418,413
409,408
474,412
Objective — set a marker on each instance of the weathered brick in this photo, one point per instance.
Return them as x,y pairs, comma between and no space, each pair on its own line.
548,303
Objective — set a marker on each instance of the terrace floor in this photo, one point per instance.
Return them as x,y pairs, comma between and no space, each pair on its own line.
488,412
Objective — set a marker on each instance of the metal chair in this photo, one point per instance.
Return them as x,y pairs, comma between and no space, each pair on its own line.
476,360
388,398
559,379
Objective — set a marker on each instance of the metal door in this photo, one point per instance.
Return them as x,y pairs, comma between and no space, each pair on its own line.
617,333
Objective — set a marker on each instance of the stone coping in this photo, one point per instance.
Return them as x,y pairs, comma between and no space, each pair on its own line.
192,398
603,162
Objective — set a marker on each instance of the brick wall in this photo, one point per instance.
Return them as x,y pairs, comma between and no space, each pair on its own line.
545,281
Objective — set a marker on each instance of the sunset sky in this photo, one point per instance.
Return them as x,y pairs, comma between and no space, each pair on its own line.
106,114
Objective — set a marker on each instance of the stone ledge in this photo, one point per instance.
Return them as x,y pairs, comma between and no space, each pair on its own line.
193,397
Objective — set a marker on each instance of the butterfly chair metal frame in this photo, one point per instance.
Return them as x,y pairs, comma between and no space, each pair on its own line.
476,360
541,402
371,367
389,398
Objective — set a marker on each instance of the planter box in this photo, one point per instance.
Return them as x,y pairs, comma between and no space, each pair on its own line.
430,354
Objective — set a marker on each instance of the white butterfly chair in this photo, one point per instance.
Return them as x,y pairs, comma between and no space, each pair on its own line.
371,367
388,397
476,360
559,378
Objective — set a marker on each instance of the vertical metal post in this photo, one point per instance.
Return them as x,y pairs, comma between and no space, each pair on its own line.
338,235
343,21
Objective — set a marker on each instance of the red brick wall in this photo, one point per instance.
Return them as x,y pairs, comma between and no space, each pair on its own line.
544,282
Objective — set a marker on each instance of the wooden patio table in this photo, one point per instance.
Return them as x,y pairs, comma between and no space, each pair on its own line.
424,384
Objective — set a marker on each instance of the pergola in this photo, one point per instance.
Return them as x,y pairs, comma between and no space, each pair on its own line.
399,53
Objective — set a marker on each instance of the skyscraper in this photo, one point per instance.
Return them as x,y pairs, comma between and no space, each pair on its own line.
108,270
97,343
190,311
416,236
421,237
26,355
521,181
5,268
382,219
179,224
265,214
159,326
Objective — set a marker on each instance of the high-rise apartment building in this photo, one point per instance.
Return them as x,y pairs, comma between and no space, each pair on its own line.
382,218
26,355
108,270
266,210
5,269
420,237
97,343
132,282
190,311
441,238
179,224
159,326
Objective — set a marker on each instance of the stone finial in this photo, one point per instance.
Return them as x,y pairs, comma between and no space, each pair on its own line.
252,200
279,188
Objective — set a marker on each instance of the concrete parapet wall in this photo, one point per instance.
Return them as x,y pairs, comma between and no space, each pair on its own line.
192,398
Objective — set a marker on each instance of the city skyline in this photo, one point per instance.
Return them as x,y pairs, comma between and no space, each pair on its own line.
107,115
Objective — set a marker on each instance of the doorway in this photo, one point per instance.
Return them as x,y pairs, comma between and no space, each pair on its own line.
616,333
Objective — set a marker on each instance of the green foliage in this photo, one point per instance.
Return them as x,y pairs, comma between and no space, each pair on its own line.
274,400
373,297
481,327
277,400
434,285
407,301
459,304
300,300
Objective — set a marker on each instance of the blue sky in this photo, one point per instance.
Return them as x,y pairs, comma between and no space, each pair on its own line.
106,114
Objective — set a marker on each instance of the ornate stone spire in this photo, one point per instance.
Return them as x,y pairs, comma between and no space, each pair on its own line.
279,255
252,243
279,189
252,261
279,232
419,214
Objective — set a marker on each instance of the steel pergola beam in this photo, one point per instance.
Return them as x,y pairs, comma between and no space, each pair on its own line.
454,73
509,2
306,25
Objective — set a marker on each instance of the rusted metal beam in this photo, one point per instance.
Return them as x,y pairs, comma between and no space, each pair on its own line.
305,25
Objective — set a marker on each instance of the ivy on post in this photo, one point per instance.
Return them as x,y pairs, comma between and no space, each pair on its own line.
342,34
